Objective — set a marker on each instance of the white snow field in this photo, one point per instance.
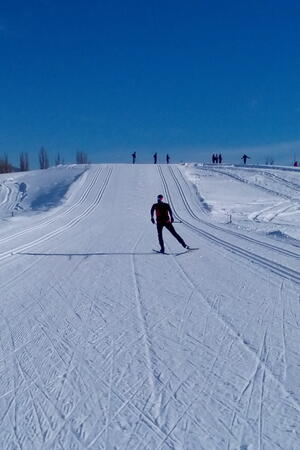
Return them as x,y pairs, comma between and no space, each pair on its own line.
105,344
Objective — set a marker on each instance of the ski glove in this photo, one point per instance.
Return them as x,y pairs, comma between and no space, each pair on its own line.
152,220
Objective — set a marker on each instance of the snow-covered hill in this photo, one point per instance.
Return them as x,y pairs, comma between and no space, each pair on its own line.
106,344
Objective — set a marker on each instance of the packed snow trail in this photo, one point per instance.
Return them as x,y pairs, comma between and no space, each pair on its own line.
105,344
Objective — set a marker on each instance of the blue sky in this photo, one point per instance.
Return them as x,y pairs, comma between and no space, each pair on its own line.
188,78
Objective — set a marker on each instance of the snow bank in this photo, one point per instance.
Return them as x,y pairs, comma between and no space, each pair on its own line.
258,198
39,190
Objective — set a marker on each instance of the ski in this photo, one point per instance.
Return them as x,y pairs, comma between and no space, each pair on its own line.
187,251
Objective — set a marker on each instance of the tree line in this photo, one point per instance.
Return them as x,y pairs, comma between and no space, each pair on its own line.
43,158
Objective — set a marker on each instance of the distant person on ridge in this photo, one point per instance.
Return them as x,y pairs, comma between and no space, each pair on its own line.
133,157
244,158
220,158
164,218
155,158
296,164
168,158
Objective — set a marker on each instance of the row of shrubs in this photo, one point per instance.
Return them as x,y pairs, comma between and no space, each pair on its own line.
44,163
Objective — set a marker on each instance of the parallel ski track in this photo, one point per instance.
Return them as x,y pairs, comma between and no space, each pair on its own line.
68,225
226,230
283,181
276,268
56,215
275,214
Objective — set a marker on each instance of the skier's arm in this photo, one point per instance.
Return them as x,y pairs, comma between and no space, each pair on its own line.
170,213
152,212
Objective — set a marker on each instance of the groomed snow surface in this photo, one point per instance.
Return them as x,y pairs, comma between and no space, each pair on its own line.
105,344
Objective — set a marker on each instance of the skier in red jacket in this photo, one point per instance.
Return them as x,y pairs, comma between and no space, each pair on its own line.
164,218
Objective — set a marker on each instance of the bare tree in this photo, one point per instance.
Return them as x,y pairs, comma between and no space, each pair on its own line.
81,158
24,162
269,160
43,158
58,159
5,166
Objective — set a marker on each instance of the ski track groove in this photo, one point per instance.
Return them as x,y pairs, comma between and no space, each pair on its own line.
18,276
287,183
261,403
184,316
276,213
293,313
283,321
108,417
264,211
143,324
15,389
203,211
272,266
282,211
255,376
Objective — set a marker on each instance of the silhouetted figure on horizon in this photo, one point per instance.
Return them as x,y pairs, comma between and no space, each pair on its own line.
213,158
155,158
245,157
168,158
296,164
164,218
133,157
220,158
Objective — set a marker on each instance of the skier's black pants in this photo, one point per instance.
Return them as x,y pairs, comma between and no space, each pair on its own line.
169,227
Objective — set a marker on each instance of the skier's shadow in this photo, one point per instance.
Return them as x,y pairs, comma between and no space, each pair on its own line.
85,255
